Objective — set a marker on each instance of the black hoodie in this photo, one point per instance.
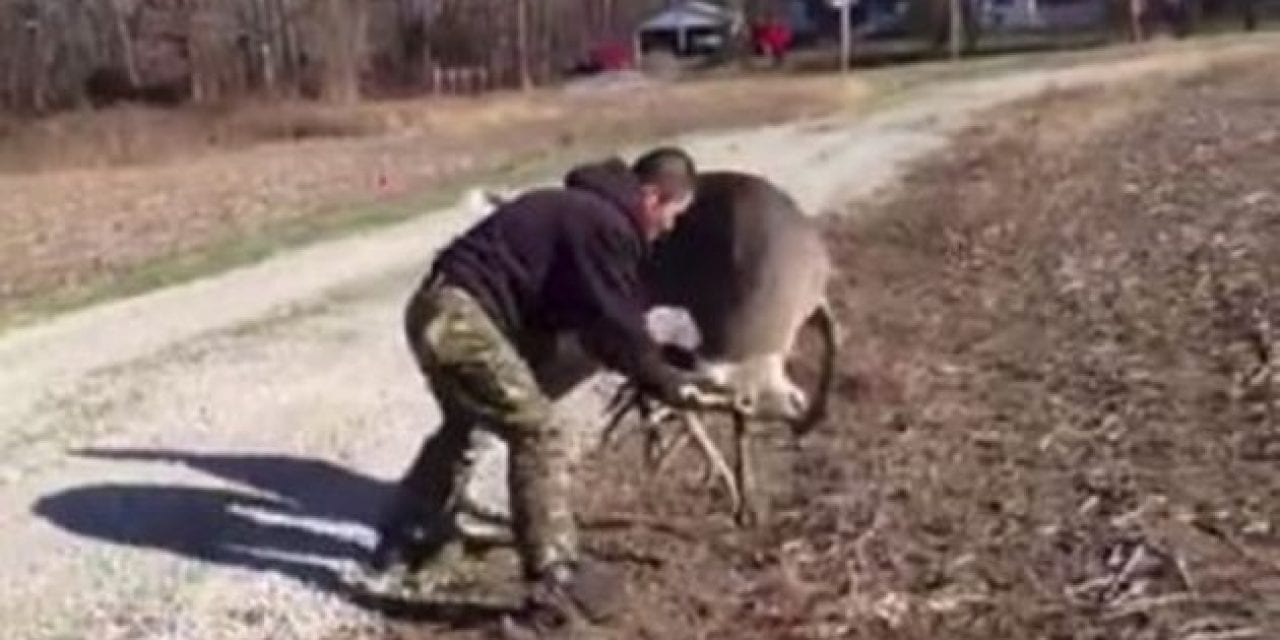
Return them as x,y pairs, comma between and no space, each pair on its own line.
567,259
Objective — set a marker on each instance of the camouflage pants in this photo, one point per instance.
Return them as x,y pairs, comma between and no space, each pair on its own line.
479,377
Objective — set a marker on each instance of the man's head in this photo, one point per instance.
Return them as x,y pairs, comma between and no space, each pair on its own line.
667,176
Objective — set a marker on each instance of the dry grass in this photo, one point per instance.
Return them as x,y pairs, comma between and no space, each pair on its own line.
153,197
139,135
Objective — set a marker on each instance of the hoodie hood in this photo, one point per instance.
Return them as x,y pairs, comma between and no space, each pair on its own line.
614,181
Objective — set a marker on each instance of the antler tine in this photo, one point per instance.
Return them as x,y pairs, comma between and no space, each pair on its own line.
623,397
625,400
715,459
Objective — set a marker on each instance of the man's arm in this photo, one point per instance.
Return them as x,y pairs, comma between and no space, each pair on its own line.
612,321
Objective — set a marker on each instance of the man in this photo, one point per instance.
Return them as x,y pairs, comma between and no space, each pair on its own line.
551,262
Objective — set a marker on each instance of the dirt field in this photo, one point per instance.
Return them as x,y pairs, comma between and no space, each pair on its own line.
1057,411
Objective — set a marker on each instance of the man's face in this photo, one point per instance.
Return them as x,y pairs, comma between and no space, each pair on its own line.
660,215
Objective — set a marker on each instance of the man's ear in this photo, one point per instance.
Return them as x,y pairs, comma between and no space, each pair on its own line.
652,194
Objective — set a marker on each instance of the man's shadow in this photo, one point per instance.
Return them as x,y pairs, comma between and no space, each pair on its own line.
297,518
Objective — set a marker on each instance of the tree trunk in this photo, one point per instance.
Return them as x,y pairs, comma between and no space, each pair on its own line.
957,29
126,43
15,38
289,53
846,37
345,24
739,45
39,74
522,44
204,79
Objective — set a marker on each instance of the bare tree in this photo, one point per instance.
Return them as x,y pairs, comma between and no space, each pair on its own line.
344,23
125,41
956,27
58,53
522,43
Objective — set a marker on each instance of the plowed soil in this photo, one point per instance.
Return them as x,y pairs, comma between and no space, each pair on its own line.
1056,408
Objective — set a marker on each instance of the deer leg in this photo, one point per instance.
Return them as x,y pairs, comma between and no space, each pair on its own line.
744,474
714,458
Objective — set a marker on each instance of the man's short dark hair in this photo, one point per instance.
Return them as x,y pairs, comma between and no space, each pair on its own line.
670,168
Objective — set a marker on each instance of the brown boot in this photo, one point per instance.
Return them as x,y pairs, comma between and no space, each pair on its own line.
565,598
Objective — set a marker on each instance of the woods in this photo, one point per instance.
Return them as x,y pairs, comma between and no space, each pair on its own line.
58,54
62,54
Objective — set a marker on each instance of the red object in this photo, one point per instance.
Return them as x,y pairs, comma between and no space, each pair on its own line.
611,56
771,37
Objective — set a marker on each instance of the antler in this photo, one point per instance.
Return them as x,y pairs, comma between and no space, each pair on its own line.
628,399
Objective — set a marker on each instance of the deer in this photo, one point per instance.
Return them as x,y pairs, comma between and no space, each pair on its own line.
751,270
